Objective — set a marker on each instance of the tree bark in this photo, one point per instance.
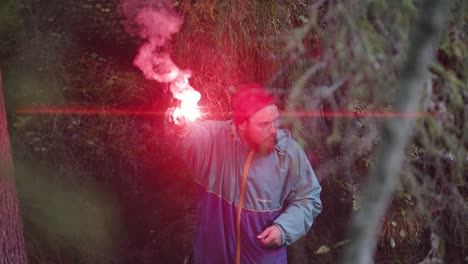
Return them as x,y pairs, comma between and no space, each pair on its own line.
12,246
297,253
366,223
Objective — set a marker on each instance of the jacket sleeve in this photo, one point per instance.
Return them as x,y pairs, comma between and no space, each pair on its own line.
303,203
191,143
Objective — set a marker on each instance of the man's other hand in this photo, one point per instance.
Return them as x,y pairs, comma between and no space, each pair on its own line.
270,237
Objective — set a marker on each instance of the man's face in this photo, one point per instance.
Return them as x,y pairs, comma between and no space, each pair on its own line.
260,129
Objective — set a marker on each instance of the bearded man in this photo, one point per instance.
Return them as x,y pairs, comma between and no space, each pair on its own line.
256,190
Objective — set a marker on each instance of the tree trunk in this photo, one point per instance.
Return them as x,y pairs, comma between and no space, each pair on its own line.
12,249
297,253
396,132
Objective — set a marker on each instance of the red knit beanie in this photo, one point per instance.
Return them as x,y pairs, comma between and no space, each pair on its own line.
248,100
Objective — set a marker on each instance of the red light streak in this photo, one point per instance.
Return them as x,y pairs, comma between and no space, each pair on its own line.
107,111
86,111
356,114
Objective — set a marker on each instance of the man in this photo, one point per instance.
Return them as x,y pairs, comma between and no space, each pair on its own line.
257,191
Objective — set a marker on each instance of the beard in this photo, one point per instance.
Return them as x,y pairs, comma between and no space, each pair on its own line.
267,146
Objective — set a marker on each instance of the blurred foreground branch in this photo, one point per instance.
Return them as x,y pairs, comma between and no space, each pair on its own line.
396,132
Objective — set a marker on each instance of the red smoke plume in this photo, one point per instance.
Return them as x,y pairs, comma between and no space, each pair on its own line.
156,21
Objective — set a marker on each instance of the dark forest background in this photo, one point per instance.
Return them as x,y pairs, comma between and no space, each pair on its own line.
104,187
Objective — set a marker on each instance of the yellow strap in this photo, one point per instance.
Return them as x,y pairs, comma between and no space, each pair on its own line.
241,201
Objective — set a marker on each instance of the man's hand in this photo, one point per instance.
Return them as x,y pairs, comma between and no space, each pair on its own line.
174,116
270,237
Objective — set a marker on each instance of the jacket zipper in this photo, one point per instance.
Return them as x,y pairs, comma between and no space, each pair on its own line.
239,207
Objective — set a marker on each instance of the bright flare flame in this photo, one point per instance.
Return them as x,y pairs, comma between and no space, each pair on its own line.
191,113
188,113
188,106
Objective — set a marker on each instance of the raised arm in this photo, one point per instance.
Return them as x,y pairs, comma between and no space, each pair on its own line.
192,141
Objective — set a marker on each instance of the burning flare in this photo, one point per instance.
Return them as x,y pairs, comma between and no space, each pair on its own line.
157,25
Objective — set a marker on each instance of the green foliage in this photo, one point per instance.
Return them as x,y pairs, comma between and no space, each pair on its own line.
229,43
325,249
10,22
364,45
68,215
